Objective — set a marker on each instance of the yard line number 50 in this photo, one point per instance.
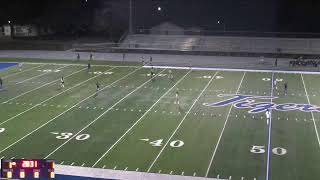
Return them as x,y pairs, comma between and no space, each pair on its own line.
261,149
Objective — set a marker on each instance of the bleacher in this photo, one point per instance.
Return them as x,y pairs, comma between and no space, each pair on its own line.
222,43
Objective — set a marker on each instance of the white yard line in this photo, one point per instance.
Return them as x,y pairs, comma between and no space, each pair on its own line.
39,104
104,154
175,131
40,87
102,114
40,75
67,110
224,126
5,77
314,122
269,132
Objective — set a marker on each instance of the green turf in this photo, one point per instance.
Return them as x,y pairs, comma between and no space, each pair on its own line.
133,123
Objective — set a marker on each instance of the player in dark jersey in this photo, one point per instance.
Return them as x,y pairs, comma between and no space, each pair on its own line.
91,56
285,89
78,56
177,101
89,66
1,83
97,88
151,72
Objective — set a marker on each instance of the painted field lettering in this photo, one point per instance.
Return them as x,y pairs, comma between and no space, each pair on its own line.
67,135
49,70
159,143
261,149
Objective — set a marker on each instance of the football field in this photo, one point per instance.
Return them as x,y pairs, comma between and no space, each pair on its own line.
219,128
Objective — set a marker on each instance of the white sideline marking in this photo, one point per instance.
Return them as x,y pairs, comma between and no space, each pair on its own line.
39,75
40,87
174,132
5,77
139,120
224,126
67,110
232,70
314,123
49,99
101,115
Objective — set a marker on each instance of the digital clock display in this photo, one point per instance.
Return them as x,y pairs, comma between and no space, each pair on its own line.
27,168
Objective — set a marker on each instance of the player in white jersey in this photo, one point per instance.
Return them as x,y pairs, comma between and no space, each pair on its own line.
268,115
20,66
177,101
62,82
170,76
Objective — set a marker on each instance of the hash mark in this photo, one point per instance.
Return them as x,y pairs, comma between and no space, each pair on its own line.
82,164
12,157
170,172
72,164
137,169
194,174
103,166
159,171
230,177
62,162
115,168
125,168
242,178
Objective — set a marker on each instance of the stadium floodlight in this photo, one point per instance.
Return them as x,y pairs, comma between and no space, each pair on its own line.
218,22
159,8
9,22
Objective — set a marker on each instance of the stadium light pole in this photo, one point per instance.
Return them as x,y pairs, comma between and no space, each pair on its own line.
130,17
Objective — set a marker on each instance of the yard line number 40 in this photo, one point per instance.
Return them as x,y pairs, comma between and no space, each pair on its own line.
159,142
261,149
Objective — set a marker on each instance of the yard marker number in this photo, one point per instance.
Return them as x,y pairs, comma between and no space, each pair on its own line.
2,130
159,143
66,135
268,79
49,70
105,73
261,149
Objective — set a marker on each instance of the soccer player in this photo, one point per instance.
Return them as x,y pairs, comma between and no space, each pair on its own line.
123,56
285,89
20,66
97,88
170,76
268,115
62,82
151,73
78,56
177,101
89,66
1,83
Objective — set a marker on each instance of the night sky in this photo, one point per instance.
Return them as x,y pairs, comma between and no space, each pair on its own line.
238,15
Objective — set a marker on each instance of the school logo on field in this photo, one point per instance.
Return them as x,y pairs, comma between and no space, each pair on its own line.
249,102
